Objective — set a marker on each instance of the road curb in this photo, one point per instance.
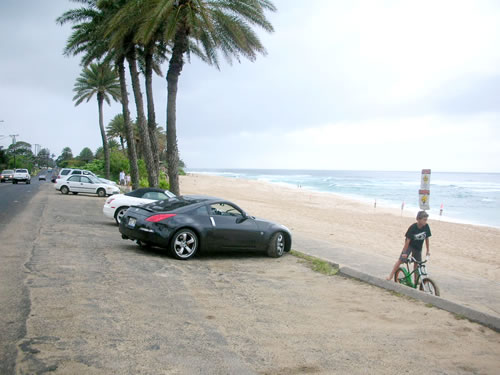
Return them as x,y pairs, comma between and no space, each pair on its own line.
441,303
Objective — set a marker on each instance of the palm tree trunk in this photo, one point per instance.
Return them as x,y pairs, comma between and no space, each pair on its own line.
151,111
129,129
174,71
141,119
105,147
122,143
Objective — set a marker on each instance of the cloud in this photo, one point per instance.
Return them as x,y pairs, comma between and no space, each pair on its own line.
469,143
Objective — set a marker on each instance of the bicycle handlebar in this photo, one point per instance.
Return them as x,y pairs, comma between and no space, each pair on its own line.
412,259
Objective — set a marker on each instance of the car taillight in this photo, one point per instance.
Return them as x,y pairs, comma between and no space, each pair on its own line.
159,217
58,176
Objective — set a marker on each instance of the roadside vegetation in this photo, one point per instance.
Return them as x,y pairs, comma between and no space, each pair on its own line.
113,36
316,264
20,155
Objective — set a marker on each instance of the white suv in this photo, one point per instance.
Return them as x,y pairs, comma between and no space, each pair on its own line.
21,175
67,172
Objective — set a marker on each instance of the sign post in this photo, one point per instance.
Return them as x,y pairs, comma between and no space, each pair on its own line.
424,192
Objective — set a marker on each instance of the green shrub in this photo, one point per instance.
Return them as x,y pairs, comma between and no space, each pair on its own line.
117,162
96,166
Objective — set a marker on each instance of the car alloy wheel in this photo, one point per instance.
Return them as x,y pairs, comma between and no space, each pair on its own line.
280,244
101,193
64,190
276,246
184,244
119,214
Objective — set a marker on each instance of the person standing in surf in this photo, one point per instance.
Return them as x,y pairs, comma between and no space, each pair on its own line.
415,236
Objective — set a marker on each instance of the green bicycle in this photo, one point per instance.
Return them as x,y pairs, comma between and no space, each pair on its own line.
424,283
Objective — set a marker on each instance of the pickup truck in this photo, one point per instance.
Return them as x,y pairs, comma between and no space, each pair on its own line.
21,175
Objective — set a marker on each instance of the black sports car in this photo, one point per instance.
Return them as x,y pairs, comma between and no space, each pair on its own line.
187,224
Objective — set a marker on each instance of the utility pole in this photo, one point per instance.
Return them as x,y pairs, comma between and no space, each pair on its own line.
13,136
37,150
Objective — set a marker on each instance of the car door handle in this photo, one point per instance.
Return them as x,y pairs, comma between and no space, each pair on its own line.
212,220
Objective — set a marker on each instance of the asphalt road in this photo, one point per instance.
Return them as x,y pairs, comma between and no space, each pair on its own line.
15,197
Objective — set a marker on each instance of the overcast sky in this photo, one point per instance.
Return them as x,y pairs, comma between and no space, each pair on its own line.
364,85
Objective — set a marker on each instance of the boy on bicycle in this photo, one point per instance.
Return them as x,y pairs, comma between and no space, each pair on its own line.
415,236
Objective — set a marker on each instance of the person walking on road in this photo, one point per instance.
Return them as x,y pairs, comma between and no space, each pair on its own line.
415,236
122,178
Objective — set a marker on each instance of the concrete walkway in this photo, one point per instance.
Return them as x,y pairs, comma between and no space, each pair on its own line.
474,292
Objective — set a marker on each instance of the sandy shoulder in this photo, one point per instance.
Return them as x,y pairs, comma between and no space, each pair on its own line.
470,249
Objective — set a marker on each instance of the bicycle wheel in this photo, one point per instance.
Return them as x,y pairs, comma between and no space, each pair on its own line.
400,277
429,286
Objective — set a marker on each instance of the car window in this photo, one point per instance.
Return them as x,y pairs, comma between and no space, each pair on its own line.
85,179
76,172
201,211
171,204
74,179
224,209
154,195
21,171
64,172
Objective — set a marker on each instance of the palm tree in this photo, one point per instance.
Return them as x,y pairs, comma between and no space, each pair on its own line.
102,81
131,57
122,30
116,129
88,39
204,28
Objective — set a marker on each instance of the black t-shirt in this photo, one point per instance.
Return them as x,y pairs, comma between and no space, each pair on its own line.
417,235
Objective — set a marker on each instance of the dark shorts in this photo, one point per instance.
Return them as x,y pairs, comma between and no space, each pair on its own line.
417,254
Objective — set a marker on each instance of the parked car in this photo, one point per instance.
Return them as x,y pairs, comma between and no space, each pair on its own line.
66,172
6,175
115,206
85,184
187,224
21,175
42,177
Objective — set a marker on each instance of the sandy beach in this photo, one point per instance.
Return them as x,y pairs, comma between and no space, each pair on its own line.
467,249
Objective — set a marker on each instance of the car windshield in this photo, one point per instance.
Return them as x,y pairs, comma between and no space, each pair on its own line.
94,179
172,204
143,193
169,194
21,171
8,171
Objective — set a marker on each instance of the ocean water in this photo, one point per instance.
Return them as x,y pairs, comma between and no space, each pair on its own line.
466,197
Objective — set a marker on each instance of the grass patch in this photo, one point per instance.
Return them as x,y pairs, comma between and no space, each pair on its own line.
459,317
315,264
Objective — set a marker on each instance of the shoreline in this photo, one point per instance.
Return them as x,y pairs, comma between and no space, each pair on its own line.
392,208
350,225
